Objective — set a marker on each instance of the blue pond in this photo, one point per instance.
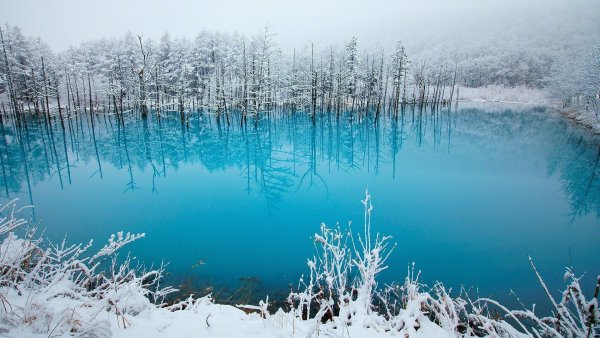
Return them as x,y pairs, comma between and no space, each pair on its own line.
467,194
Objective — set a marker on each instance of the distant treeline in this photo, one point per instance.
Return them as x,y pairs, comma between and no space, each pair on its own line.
231,73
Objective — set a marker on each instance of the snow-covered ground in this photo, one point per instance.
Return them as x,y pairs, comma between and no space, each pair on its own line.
587,113
59,290
496,93
53,316
585,116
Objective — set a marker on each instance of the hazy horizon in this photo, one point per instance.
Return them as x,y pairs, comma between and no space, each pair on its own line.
67,23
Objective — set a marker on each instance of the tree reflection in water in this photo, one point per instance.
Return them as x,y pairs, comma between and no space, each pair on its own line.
286,152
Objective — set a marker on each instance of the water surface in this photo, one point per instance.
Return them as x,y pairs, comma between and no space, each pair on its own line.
466,193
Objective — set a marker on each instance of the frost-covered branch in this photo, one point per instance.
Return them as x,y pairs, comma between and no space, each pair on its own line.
115,243
39,283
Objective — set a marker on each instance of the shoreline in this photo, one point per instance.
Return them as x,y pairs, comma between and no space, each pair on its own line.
581,119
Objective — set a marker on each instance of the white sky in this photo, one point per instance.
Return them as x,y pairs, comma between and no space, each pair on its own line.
68,22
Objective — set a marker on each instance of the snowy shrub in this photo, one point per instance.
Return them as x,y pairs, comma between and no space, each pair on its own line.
58,288
342,290
341,293
573,315
62,290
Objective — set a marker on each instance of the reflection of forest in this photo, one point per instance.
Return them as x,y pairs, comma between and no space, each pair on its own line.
286,151
578,163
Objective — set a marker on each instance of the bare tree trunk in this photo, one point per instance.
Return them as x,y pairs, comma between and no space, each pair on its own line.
245,92
380,94
404,89
68,96
143,106
313,85
62,122
90,94
11,92
46,91
457,94
91,108
156,80
453,83
83,93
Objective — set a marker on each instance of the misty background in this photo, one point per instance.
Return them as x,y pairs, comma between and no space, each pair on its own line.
431,26
550,45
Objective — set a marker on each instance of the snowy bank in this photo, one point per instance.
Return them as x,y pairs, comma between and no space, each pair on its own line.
498,93
583,110
60,290
587,115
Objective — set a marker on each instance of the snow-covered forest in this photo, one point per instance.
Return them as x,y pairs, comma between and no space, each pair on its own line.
226,74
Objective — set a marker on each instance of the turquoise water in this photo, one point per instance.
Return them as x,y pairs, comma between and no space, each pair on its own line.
467,194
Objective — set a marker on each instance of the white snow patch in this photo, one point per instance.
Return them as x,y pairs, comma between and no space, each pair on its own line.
496,93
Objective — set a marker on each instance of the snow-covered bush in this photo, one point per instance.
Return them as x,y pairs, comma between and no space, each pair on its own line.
51,290
331,288
341,292
573,315
60,288
341,289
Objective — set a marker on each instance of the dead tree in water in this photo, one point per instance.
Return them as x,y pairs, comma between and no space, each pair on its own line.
45,80
380,95
420,84
313,85
453,83
330,81
244,118
399,60
351,59
62,122
91,106
11,92
143,106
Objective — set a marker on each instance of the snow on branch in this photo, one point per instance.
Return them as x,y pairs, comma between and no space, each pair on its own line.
115,243
8,217
56,290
